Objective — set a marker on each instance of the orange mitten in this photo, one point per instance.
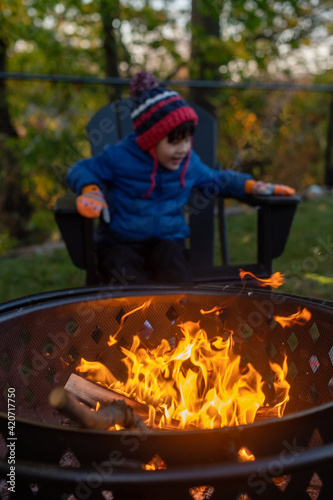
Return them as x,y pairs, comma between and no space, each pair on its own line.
260,188
91,202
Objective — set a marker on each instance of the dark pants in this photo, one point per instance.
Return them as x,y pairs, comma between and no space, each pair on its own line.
153,261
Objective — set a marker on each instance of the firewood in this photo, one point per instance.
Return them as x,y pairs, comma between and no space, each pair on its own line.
90,393
116,413
265,412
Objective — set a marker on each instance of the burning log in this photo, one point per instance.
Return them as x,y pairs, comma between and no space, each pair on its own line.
116,413
90,393
266,412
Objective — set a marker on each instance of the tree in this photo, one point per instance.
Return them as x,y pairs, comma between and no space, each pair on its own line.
15,207
236,40
266,32
206,49
259,39
110,11
6,126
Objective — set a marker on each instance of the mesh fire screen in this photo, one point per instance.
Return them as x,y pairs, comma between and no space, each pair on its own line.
43,340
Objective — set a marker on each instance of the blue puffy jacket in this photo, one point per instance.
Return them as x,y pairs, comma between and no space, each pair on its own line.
123,173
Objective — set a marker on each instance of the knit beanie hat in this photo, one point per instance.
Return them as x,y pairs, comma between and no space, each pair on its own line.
156,112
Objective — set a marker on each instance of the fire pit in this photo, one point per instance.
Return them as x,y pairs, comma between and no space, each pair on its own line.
285,339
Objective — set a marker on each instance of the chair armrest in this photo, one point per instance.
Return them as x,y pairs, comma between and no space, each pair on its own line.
66,204
255,201
275,216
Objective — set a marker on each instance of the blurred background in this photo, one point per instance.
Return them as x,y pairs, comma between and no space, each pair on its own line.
263,67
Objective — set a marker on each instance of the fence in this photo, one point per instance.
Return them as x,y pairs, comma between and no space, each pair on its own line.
121,82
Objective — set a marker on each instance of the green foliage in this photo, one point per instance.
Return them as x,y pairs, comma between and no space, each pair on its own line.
257,30
278,136
274,135
51,121
210,8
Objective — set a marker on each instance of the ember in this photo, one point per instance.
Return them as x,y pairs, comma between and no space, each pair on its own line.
245,455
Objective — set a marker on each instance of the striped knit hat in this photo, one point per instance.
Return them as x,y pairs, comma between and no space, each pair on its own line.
156,112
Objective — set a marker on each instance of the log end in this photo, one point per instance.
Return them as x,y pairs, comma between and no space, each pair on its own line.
58,398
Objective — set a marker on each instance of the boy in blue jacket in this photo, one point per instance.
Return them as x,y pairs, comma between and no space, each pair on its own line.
142,184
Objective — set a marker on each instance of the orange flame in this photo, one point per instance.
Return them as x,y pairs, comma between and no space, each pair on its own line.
96,371
112,339
281,385
215,309
156,463
274,281
299,318
245,455
201,382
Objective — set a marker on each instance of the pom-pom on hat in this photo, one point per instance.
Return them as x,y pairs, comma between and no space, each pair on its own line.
156,110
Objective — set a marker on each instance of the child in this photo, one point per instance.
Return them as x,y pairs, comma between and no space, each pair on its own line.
142,184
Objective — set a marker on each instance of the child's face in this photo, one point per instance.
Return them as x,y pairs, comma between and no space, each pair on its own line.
171,154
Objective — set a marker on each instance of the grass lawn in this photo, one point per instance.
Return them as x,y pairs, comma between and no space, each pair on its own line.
23,276
307,261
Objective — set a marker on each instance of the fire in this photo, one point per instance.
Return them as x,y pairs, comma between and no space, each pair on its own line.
245,455
112,339
215,310
301,317
156,463
281,385
274,281
200,383
97,372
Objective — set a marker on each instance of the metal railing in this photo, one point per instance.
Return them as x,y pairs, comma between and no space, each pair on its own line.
206,84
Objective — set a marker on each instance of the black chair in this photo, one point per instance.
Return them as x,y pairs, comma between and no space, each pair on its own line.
275,214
